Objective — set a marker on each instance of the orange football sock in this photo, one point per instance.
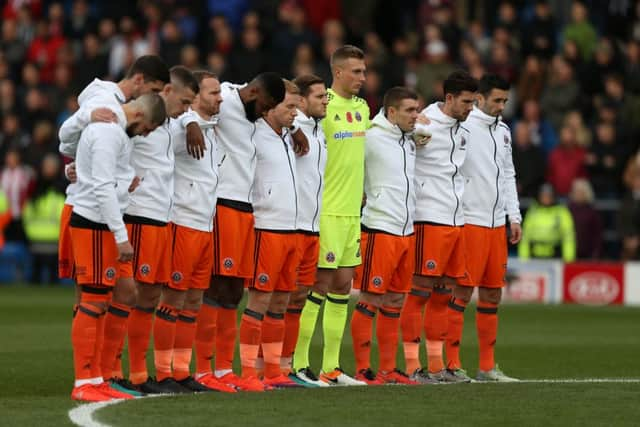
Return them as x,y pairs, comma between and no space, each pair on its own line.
273,327
96,363
455,314
361,331
115,328
183,345
435,327
164,336
205,335
139,333
487,327
291,330
411,327
387,334
226,331
83,339
250,335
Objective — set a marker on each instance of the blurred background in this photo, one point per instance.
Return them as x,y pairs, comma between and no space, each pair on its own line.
574,107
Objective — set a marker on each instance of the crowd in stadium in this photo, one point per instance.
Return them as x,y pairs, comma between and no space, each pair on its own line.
574,69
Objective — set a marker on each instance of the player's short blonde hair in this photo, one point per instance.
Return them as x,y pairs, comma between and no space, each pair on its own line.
290,87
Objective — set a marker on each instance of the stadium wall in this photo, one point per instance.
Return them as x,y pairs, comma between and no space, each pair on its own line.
588,283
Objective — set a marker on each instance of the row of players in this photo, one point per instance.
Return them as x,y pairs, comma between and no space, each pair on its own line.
236,188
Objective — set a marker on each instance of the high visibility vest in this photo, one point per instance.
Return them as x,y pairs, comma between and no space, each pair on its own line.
548,232
5,216
41,217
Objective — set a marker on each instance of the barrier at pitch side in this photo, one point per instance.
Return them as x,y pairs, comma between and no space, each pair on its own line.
588,283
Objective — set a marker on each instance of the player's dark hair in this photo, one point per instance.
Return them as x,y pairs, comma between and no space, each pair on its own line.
345,52
183,76
272,84
201,75
488,82
458,82
306,81
394,96
152,68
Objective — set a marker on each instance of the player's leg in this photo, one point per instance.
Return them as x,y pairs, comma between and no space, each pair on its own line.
457,305
251,335
139,333
489,297
309,317
362,335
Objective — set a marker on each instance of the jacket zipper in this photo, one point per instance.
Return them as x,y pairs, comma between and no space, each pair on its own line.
406,177
212,154
315,214
495,160
253,160
293,178
453,177
169,161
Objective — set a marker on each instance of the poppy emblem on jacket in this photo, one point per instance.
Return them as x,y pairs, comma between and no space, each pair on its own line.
228,263
336,118
110,273
145,269
377,281
463,141
358,116
331,257
176,277
263,278
349,117
506,140
431,265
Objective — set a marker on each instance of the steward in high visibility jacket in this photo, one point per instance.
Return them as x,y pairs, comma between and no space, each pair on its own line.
5,216
548,230
41,217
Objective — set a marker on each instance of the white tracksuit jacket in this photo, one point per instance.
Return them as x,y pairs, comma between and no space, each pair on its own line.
389,164
152,159
439,182
310,173
194,199
275,197
102,165
237,149
98,93
490,178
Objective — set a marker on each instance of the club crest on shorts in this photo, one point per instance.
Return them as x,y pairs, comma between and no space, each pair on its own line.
431,265
331,257
145,269
110,273
263,278
377,281
228,263
176,276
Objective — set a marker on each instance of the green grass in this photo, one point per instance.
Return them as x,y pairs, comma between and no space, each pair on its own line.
535,342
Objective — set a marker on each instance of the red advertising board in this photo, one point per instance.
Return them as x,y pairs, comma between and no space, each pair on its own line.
528,286
594,283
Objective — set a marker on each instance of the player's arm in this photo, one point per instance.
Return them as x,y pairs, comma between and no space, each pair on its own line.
72,128
105,145
195,145
511,198
300,141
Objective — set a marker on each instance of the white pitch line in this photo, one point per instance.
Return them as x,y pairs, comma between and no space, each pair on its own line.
582,380
82,415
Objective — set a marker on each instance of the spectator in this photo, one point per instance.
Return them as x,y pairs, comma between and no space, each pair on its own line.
171,43
629,218
125,47
41,219
561,94
632,67
94,62
248,59
529,162
547,229
477,36
15,181
44,48
628,105
43,142
605,161
541,131
7,98
80,22
12,137
436,66
293,33
574,120
539,37
190,57
566,162
501,62
13,48
5,216
303,61
581,31
586,218
602,64
532,80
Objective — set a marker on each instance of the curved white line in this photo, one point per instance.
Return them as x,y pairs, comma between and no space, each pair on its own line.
82,415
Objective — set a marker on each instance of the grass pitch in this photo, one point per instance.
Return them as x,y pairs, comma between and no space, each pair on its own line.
535,342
